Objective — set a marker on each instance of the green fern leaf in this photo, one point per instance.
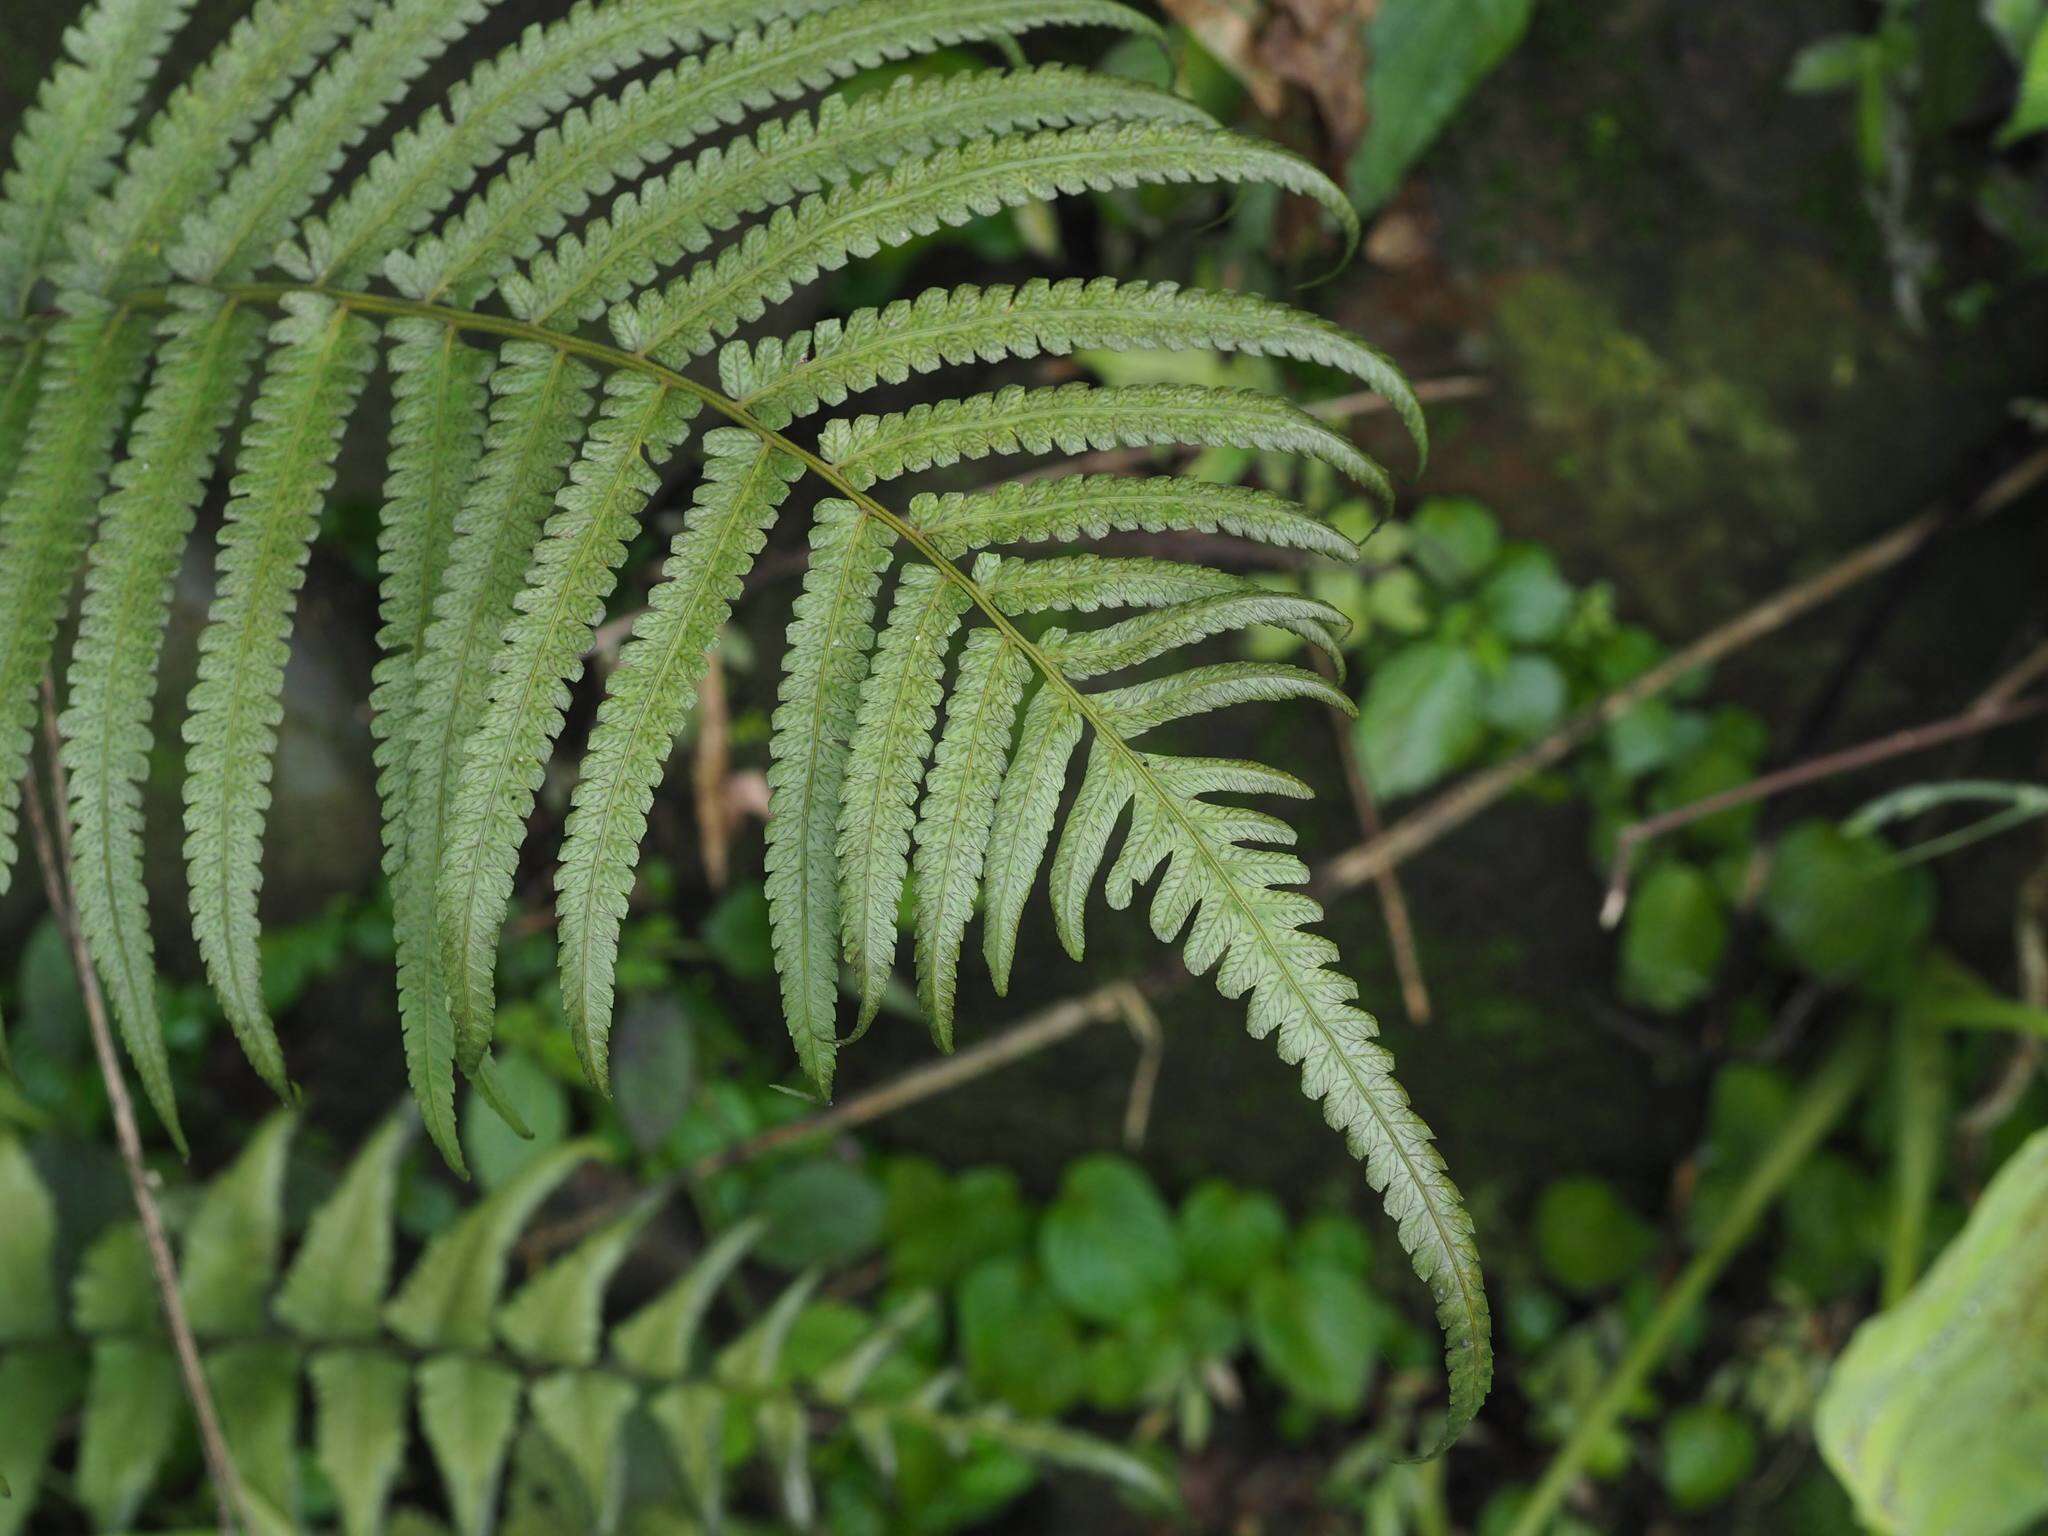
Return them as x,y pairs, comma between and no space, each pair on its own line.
584,1414
1240,918
28,1290
40,1388
469,1409
691,1417
1133,641
677,214
1026,809
658,1340
1080,418
1064,508
92,368
231,1246
359,1434
540,400
447,1300
1141,707
183,152
921,196
959,808
590,149
208,347
255,1388
892,741
336,1284
745,481
320,363
66,144
557,1317
572,574
21,374
503,99
440,403
134,1407
829,639
959,326
238,230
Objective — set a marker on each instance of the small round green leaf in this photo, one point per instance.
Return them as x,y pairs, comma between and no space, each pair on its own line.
1108,1243
1707,1452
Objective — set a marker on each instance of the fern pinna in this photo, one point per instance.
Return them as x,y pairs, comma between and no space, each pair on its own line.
551,262
523,1401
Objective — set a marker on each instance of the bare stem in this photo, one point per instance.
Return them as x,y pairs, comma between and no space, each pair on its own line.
1459,804
53,855
1045,1028
1919,738
1393,900
1828,1095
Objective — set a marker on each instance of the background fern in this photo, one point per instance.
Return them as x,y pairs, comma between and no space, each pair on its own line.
503,222
529,1387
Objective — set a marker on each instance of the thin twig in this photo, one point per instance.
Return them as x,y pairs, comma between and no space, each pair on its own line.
1827,1096
1150,1037
1459,804
1919,738
1393,901
1045,1028
53,854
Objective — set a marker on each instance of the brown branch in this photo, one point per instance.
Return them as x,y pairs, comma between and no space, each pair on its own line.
53,854
1393,901
1868,754
1459,804
1048,1027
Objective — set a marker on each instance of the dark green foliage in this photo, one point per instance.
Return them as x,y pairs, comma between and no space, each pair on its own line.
522,1392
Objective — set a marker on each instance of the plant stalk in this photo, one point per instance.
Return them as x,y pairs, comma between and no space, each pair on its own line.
1826,1099
53,854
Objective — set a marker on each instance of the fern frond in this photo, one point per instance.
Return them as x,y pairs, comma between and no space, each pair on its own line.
92,366
1079,418
503,99
617,137
918,197
67,143
540,400
959,808
1026,808
892,741
1142,707
959,326
1134,641
238,229
1063,508
320,362
651,691
21,376
670,216
829,639
208,346
572,573
1239,918
440,404
182,154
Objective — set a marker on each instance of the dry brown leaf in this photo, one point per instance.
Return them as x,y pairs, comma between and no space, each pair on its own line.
1317,46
